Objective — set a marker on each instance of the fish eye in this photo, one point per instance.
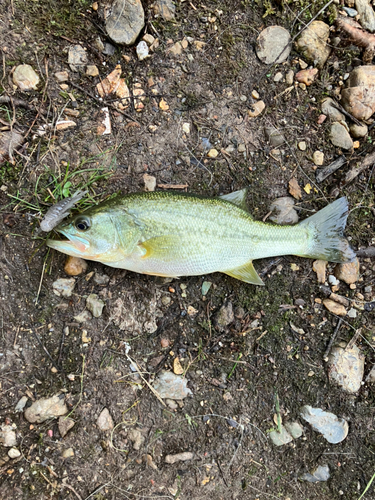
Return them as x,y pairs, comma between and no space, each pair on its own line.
82,223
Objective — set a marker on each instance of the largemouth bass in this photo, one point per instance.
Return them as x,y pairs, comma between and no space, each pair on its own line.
170,234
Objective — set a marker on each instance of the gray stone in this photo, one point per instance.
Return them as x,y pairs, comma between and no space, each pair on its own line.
224,317
21,404
280,438
169,385
65,424
9,141
64,287
321,473
8,436
125,21
285,212
77,58
105,422
351,12
366,15
371,376
136,437
101,279
333,429
295,429
84,316
346,368
45,408
25,77
358,131
94,305
108,49
165,8
179,457
359,97
340,136
273,45
312,43
274,136
329,109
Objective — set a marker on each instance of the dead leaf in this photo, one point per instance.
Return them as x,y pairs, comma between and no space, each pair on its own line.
9,141
294,189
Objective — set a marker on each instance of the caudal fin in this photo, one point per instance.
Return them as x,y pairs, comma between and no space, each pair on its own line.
327,233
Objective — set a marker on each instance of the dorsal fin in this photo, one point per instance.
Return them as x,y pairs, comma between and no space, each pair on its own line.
237,198
246,273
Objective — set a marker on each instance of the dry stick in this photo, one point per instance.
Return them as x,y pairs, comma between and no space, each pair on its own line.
355,171
330,169
145,381
64,485
333,338
292,40
103,103
354,339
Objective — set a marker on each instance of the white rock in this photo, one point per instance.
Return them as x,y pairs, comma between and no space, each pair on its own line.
150,182
8,436
273,45
105,421
14,453
45,408
25,77
346,368
64,287
142,51
333,429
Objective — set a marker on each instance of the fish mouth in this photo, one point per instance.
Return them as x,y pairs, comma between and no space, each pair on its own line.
74,245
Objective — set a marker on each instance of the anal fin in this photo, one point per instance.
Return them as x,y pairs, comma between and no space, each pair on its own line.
246,273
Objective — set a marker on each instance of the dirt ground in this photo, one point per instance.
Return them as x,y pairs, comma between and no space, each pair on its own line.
240,375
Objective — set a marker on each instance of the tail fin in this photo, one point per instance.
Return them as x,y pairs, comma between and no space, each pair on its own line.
327,233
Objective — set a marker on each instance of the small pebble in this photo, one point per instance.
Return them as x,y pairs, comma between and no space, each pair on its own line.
278,77
104,421
179,457
280,438
94,305
63,287
346,368
333,429
318,158
302,146
255,94
334,307
68,453
150,182
142,51
14,453
213,153
75,266
349,272
256,109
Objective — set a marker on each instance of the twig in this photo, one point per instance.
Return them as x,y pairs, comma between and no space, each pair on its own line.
333,338
355,171
64,485
173,186
81,392
145,381
45,350
40,283
328,170
4,99
354,339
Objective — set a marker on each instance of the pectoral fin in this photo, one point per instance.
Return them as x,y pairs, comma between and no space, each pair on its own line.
160,247
237,198
246,273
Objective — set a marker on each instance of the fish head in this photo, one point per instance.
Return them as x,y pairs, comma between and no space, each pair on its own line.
92,236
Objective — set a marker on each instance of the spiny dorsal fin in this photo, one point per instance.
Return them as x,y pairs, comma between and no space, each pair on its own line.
237,198
246,273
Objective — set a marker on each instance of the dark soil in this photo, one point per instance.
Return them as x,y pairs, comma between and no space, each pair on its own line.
236,375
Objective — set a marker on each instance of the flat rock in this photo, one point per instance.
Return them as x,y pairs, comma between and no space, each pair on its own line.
21,404
358,131
285,212
273,45
45,408
84,316
346,368
349,272
359,97
280,438
105,422
165,8
95,305
8,436
77,58
74,266
334,307
68,453
318,158
274,136
295,429
366,15
136,438
329,109
92,70
63,287
125,21
9,141
65,424
320,267
25,77
150,182
312,43
62,76
179,457
333,429
256,109
224,317
321,473
340,137
171,386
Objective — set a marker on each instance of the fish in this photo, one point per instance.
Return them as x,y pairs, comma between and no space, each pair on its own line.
179,234
60,210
